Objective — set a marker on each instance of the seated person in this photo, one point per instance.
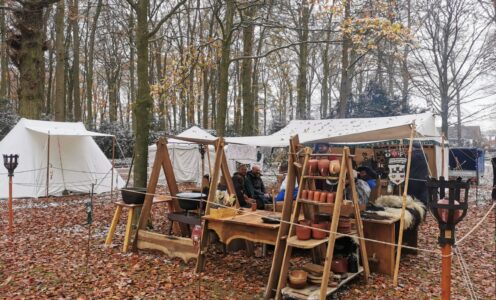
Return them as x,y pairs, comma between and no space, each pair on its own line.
239,187
282,191
255,188
368,175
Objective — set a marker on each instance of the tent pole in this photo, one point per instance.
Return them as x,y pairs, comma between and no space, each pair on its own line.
113,164
48,166
442,155
403,207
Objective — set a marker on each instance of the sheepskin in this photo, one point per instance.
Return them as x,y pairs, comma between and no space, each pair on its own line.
391,205
397,202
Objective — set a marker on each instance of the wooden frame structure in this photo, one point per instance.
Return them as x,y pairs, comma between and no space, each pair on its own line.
286,239
173,245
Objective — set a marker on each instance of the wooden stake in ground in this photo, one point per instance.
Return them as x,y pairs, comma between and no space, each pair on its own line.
403,207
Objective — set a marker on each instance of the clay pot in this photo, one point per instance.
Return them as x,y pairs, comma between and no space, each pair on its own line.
304,194
319,234
324,166
310,195
334,166
316,196
303,233
298,279
313,165
339,265
330,197
323,197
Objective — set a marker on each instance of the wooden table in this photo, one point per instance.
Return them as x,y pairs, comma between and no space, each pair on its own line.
381,230
248,226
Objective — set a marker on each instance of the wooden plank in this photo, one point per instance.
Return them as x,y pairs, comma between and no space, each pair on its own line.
306,244
172,246
358,218
286,214
229,232
403,207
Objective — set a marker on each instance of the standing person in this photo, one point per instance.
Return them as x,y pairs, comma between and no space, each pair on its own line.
419,171
239,179
255,187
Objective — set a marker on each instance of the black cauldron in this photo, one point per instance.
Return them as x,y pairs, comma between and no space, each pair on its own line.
190,201
133,195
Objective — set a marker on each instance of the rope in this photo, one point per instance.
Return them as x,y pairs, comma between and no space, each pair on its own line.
476,226
465,273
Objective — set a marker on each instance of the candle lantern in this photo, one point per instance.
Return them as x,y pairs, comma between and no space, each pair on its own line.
10,163
448,209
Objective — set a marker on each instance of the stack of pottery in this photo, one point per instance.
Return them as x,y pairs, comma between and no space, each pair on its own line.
304,232
344,225
318,232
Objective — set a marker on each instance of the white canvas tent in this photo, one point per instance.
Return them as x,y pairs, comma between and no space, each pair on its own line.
65,151
353,131
186,159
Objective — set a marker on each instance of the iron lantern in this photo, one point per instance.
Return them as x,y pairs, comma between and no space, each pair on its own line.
10,163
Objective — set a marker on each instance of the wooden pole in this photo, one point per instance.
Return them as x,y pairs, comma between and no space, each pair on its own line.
11,211
442,156
113,168
403,207
48,166
446,272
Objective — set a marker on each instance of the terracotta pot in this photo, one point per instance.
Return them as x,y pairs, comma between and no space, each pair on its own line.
316,196
303,233
334,166
310,195
313,165
339,265
319,234
330,197
324,166
323,197
298,279
304,194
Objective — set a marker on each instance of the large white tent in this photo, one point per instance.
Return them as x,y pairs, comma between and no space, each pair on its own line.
186,158
62,155
354,131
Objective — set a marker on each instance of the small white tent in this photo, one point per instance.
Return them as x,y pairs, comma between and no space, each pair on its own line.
186,159
64,151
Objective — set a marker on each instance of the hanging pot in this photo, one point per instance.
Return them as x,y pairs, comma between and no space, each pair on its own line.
334,166
323,165
313,165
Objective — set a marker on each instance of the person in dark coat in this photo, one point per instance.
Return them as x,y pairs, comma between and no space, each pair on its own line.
255,187
419,171
239,187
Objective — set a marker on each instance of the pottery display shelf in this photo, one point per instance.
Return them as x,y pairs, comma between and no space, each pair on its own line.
282,256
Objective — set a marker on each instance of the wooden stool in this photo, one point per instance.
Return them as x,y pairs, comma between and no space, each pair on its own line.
115,220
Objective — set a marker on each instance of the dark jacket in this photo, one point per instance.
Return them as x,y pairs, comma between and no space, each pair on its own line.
419,171
254,186
239,188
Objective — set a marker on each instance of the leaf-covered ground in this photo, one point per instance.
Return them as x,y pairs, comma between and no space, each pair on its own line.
51,256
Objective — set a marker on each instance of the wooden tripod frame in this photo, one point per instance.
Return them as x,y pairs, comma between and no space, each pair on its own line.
177,246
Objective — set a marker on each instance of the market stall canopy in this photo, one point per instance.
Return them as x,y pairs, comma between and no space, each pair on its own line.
192,135
345,130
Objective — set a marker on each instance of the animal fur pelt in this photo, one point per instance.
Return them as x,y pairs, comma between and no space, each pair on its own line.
390,206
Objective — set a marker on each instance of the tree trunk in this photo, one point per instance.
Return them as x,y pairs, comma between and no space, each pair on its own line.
206,85
301,89
89,66
246,75
325,81
237,100
59,104
76,68
225,60
132,88
344,94
4,77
